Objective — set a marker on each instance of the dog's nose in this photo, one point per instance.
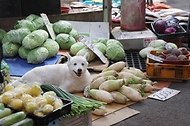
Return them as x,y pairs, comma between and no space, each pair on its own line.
79,70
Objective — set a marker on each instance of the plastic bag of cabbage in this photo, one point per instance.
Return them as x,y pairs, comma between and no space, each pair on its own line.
111,48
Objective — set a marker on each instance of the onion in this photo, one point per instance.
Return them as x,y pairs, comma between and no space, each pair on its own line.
160,26
169,30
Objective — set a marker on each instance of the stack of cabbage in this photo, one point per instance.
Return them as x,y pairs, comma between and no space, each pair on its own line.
111,48
30,40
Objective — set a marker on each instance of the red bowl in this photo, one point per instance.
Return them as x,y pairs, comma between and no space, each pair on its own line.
65,10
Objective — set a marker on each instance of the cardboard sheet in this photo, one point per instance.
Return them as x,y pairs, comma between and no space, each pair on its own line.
19,66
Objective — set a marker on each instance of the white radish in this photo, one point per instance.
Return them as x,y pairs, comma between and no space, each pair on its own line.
118,66
101,95
100,111
131,93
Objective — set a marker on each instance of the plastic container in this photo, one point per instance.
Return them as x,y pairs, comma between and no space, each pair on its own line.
170,72
132,15
45,120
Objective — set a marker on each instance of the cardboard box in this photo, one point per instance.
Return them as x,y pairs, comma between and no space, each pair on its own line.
81,120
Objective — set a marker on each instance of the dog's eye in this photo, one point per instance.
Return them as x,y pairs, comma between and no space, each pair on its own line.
82,64
75,64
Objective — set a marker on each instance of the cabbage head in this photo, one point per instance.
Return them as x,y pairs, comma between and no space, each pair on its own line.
101,47
23,52
114,41
5,39
26,24
62,27
74,33
2,34
65,41
52,47
17,35
100,40
115,52
37,55
87,53
35,39
76,47
32,17
10,49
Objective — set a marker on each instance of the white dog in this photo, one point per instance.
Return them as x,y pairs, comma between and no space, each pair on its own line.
71,76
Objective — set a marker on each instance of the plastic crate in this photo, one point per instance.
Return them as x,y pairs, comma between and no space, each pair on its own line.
45,120
170,72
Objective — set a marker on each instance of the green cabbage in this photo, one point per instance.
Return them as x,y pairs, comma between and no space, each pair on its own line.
76,47
101,47
62,27
26,24
5,39
74,33
87,53
2,34
35,39
17,35
52,47
65,41
114,41
10,49
37,55
23,52
115,52
100,40
31,17
172,45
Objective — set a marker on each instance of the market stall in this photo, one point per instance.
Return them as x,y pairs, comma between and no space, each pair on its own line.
112,52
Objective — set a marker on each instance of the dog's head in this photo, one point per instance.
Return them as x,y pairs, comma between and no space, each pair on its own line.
77,64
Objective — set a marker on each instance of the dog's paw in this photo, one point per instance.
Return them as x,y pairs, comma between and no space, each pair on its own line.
86,92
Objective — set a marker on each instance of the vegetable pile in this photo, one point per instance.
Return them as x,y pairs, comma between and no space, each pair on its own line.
158,44
120,84
168,25
31,41
30,99
111,48
79,106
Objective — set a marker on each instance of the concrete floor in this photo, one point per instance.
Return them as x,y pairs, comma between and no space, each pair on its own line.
172,112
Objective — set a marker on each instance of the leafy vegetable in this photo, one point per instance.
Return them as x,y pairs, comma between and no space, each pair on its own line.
65,41
23,52
35,39
17,35
115,52
101,47
62,27
37,55
76,47
26,24
87,53
114,41
100,40
2,34
52,47
10,49
74,33
160,26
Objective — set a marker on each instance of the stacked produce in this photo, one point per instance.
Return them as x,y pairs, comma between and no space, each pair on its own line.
30,99
79,106
111,48
120,84
31,41
158,44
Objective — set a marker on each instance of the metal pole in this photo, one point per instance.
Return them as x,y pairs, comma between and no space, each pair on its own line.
107,7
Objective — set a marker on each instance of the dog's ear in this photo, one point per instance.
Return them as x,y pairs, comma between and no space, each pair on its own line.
68,56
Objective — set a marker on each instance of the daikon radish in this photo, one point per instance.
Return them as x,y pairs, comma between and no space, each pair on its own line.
118,97
101,95
111,85
136,72
148,88
131,78
144,81
118,66
100,111
106,73
137,86
131,93
96,83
